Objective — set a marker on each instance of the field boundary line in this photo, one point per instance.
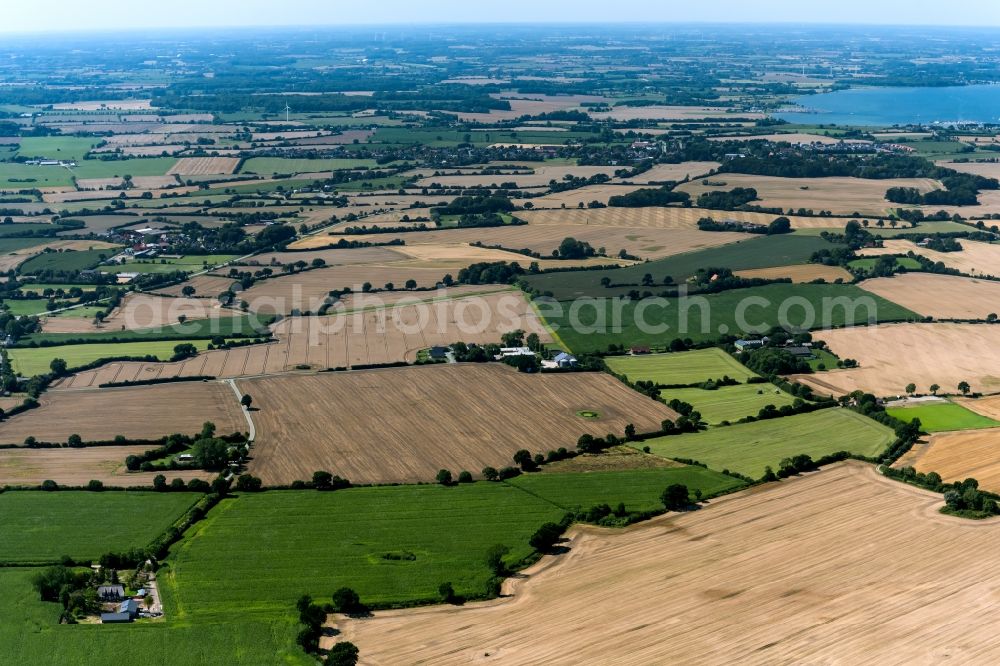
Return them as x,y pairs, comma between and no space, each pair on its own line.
545,324
246,412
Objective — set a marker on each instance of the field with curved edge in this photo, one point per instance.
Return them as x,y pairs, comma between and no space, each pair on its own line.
957,456
943,416
749,448
719,586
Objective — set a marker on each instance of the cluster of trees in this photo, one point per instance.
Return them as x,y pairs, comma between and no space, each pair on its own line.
659,196
770,361
731,200
495,272
571,248
480,204
962,498
74,589
313,617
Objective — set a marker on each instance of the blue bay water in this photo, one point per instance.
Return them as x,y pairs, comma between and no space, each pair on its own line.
899,106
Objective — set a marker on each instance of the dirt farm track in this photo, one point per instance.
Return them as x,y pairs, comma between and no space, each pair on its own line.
719,586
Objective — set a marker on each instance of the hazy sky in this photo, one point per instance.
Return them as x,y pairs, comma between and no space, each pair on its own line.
60,15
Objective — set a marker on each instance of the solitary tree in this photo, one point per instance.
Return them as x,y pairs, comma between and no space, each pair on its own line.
342,654
545,537
447,592
934,389
246,400
494,559
188,290
964,387
58,366
911,388
675,497
346,600
444,477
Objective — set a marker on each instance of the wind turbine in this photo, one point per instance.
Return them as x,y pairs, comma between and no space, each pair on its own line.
287,109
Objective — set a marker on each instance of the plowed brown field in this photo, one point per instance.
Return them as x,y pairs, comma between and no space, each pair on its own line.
139,412
404,424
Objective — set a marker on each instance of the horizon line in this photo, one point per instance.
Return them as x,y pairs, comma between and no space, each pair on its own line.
481,24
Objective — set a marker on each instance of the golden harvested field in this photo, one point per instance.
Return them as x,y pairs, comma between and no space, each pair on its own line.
138,311
457,417
362,337
332,256
645,242
988,406
957,456
657,217
529,105
841,196
141,182
893,355
138,412
975,258
789,573
203,166
540,177
675,172
800,273
206,286
581,195
76,467
939,296
307,291
985,169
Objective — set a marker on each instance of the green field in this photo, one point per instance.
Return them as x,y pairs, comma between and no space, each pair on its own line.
40,527
267,166
25,306
9,245
313,542
888,232
689,367
638,489
16,176
730,403
707,318
868,263
238,326
943,416
82,312
66,148
136,166
39,288
189,263
31,634
757,252
749,448
29,361
824,358
23,228
69,260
